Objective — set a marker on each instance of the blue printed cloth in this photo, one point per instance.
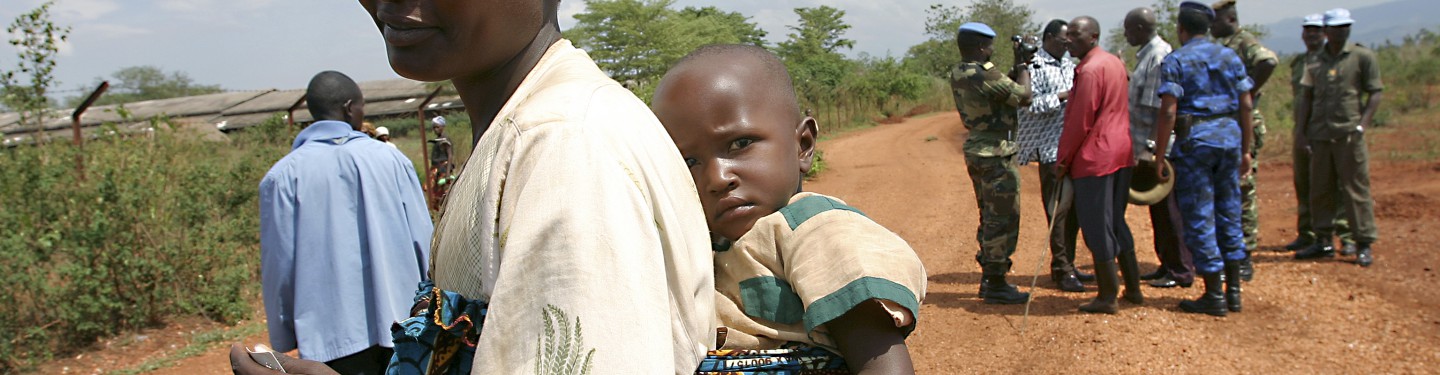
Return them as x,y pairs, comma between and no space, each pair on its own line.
440,336
793,359
1207,80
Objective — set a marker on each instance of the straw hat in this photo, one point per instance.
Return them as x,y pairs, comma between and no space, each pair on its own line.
1144,190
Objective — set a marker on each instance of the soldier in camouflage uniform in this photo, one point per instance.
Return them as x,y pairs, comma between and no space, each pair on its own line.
988,100
1259,63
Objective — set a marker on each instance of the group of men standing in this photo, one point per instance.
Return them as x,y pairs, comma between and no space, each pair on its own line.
1089,125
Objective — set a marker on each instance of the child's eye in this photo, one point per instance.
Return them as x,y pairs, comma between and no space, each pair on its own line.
691,162
741,143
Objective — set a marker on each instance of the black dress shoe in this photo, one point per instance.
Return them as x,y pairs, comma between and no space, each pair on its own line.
1067,282
1347,249
1159,273
1363,257
1298,243
1167,282
1318,250
1084,277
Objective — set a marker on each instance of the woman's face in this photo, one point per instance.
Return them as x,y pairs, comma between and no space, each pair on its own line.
436,40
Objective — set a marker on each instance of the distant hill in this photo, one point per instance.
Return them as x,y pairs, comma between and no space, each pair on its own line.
1373,24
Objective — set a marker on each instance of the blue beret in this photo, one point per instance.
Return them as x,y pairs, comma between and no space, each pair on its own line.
977,28
1196,6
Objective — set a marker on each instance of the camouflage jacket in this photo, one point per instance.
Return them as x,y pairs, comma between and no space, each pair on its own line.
1249,48
988,101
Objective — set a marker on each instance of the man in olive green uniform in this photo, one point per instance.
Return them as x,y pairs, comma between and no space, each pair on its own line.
1341,93
988,101
1313,35
1259,62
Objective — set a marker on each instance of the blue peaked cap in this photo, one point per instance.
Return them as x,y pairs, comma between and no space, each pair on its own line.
1197,6
977,28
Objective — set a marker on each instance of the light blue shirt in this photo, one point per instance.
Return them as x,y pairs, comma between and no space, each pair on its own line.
344,240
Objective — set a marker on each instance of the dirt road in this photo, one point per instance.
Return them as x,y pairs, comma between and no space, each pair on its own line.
1300,317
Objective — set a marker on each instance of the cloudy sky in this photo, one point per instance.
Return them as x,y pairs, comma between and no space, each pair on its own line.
259,44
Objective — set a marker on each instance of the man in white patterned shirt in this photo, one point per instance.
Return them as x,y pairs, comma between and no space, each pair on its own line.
1052,73
1175,261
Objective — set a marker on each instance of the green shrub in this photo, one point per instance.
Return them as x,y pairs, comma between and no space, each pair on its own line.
159,225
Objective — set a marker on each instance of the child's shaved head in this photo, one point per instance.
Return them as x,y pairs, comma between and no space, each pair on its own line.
768,72
731,110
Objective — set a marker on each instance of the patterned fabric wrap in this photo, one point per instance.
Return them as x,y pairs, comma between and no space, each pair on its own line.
440,336
792,359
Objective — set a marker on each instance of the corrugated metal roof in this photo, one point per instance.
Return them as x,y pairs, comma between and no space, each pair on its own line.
273,101
233,110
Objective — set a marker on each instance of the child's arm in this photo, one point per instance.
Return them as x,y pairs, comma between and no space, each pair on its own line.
870,342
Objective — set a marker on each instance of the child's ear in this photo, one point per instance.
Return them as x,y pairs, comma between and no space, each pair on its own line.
806,134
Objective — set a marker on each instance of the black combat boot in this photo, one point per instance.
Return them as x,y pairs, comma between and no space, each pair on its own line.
1212,302
1322,248
1232,285
1109,284
1247,269
996,291
1362,255
1130,272
1300,242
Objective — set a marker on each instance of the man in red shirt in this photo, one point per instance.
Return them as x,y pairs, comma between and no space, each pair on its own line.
1095,152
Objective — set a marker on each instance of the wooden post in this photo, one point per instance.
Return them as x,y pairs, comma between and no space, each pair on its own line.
424,142
75,127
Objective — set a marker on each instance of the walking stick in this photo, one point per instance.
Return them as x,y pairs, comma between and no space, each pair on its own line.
1058,203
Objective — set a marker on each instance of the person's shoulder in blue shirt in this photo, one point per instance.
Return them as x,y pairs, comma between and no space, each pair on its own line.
344,233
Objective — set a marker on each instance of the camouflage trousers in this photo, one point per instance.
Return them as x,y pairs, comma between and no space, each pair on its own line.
1206,188
1249,207
997,194
1208,193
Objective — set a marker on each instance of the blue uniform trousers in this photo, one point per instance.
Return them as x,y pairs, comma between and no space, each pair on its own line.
1208,190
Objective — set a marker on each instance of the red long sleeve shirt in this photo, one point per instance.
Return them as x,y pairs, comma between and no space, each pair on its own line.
1096,137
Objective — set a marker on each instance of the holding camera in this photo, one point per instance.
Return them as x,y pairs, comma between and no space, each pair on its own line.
1025,48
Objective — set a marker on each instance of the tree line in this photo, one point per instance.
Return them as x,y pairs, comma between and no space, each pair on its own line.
635,41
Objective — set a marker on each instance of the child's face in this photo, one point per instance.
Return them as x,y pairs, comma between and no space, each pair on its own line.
434,40
747,152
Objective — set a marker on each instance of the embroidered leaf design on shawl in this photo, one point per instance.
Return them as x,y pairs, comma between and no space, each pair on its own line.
561,352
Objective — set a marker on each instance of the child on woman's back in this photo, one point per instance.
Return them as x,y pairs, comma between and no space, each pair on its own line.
796,270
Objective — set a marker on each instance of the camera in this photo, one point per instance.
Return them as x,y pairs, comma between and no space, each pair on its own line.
1025,45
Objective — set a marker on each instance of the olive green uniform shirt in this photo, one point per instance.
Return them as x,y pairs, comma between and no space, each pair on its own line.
1338,82
1297,71
988,101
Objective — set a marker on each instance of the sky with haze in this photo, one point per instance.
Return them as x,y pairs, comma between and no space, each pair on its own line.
261,44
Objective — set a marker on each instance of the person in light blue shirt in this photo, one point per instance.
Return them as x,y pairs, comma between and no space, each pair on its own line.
344,236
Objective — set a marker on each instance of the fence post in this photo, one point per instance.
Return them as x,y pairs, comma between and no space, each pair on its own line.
75,127
424,149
